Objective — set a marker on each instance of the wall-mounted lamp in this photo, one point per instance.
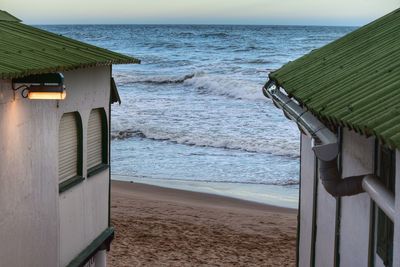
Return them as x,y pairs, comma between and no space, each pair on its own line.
49,92
48,86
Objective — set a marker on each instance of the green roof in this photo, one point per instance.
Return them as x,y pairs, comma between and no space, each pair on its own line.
26,50
5,16
354,81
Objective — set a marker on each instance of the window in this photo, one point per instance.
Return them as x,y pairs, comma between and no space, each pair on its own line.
69,149
97,155
384,226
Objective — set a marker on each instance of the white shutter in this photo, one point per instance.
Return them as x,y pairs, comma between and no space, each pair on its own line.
68,147
94,139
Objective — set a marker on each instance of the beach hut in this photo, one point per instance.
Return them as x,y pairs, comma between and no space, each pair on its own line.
55,99
345,99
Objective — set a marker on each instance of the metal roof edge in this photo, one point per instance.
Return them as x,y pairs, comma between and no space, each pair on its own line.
132,59
52,49
12,75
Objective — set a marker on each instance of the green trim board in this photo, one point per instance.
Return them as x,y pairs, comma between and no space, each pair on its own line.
64,186
114,95
109,153
101,242
104,137
80,143
26,50
338,212
371,243
386,171
352,82
97,169
381,227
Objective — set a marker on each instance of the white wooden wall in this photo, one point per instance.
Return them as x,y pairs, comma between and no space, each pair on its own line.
306,201
325,213
28,180
326,221
84,208
37,227
357,159
396,241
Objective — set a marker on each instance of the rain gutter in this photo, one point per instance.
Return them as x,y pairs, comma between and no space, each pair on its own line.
326,148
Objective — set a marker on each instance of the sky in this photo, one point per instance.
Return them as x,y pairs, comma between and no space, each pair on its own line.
259,12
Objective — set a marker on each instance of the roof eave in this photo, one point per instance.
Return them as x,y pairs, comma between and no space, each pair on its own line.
11,75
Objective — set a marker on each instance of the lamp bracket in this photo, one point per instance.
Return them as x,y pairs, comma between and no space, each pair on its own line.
46,83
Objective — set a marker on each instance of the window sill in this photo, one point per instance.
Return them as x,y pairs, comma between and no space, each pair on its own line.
64,186
97,169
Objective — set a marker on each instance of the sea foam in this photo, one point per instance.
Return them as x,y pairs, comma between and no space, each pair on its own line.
270,146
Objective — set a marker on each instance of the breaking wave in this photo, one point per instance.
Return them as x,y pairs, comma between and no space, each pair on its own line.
259,61
127,79
204,84
223,86
215,34
271,146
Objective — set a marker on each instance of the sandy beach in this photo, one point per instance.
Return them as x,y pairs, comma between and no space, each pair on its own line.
158,226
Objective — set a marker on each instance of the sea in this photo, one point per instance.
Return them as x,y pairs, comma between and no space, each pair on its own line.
193,115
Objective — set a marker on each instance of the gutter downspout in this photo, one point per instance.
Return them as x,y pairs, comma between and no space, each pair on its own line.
325,146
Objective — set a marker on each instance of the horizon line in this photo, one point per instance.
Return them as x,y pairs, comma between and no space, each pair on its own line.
188,24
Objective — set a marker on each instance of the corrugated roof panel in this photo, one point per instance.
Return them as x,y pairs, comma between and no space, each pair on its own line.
28,50
8,17
353,81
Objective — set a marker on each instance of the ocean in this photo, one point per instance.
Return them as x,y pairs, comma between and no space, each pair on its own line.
193,115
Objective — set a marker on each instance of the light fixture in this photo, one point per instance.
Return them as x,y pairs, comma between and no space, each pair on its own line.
49,86
49,92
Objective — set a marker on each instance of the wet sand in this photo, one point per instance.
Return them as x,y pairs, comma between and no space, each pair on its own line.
158,226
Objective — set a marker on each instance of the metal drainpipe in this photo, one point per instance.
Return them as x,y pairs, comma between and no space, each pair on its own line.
334,184
325,147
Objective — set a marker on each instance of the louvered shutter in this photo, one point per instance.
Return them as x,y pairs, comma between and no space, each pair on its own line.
68,147
95,139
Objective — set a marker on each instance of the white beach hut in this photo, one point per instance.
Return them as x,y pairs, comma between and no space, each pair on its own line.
345,99
55,99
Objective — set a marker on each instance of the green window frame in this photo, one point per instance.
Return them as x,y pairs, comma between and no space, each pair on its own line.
386,170
74,123
97,157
